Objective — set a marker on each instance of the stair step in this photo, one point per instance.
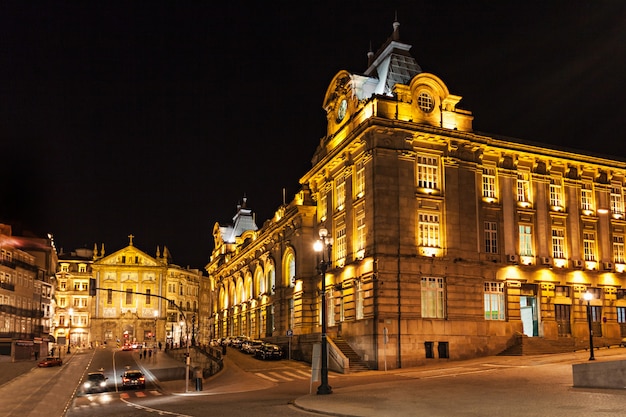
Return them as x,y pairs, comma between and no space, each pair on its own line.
356,364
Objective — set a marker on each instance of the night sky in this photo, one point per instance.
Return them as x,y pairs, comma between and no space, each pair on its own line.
156,117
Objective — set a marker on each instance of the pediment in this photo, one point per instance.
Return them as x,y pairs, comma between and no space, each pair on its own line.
129,255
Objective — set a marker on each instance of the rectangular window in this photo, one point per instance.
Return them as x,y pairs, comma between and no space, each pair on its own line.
491,237
489,182
109,296
359,180
330,308
340,195
525,240
558,243
340,247
428,172
323,207
586,197
129,296
523,187
428,230
292,314
148,296
589,246
494,301
617,201
561,291
359,300
360,229
621,315
618,249
433,298
556,193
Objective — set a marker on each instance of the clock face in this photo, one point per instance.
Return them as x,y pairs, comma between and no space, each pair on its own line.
342,109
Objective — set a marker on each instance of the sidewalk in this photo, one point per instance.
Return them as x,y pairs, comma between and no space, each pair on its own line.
497,385
11,370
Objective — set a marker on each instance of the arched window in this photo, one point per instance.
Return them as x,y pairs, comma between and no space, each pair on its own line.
223,298
241,296
289,268
259,282
249,287
270,278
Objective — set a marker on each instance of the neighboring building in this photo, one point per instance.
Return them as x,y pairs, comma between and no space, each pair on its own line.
258,286
143,299
446,243
27,265
73,303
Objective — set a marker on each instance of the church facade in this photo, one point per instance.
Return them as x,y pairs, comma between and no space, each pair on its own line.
445,243
144,300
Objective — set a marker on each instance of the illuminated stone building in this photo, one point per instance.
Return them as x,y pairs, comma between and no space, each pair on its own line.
143,299
72,322
27,265
446,243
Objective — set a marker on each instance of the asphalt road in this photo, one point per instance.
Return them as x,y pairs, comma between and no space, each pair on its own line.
492,386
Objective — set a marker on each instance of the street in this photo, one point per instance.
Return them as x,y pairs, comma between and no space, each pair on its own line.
504,386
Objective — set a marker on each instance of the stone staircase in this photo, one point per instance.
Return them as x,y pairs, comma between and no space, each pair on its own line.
356,363
525,345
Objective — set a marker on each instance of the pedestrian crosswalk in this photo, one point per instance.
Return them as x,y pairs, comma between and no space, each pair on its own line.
95,400
284,375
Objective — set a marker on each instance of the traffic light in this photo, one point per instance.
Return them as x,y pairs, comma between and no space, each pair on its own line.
92,286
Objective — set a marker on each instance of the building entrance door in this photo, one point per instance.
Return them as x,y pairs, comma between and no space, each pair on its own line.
528,312
562,313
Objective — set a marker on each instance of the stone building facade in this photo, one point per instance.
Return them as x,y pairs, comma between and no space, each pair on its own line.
142,299
446,243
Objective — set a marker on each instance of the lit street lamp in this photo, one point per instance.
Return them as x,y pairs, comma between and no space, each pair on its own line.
324,242
588,297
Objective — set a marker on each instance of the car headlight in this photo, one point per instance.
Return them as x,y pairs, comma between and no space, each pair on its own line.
87,384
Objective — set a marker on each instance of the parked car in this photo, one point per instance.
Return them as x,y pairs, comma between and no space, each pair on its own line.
133,378
50,361
250,346
236,342
95,382
268,351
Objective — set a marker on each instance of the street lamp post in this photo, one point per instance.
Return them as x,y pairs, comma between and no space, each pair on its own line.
154,334
588,297
69,331
325,242
187,358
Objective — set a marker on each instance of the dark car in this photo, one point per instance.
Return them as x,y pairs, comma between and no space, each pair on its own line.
268,351
133,379
50,361
95,382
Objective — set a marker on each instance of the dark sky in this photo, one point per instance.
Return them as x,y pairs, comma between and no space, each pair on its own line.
156,117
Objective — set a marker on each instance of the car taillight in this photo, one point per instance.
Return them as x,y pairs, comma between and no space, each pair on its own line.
142,379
